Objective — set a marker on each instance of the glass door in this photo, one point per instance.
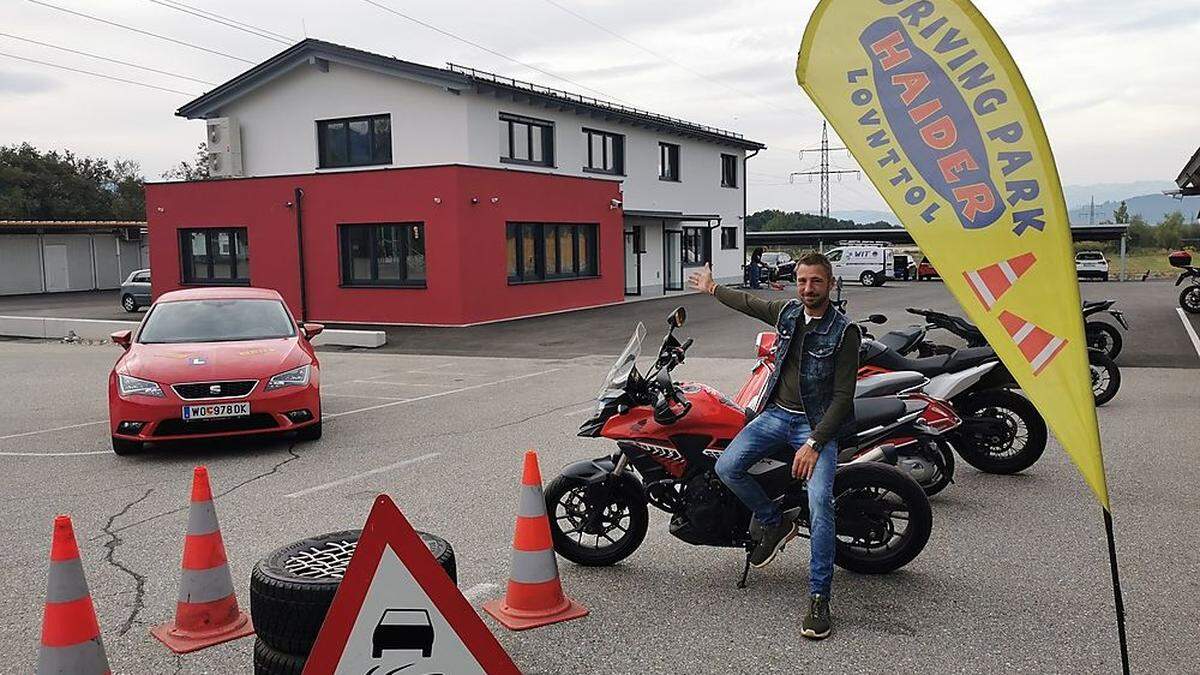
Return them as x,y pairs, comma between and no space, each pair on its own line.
633,262
672,260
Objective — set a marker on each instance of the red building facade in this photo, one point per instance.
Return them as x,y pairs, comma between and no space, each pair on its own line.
442,245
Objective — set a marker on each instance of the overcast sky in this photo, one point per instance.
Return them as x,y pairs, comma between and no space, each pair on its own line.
1116,80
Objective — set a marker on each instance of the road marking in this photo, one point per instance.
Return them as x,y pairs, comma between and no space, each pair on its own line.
377,398
48,431
399,384
357,476
1187,325
479,591
55,454
440,393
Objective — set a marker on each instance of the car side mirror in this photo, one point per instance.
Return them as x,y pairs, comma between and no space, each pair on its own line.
123,338
312,330
677,318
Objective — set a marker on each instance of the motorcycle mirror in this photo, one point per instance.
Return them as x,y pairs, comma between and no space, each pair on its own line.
877,318
677,318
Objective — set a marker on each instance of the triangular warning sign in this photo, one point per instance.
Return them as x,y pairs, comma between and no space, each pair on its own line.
396,611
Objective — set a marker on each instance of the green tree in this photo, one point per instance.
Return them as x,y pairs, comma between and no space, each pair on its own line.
1121,215
196,170
61,186
1140,233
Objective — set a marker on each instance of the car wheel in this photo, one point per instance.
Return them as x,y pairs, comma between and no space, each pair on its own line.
292,587
1105,277
867,278
124,447
128,303
271,661
311,432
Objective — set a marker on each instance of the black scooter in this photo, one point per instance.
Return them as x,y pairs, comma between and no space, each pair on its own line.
1100,334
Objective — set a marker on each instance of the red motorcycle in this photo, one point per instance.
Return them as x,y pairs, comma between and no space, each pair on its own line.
669,436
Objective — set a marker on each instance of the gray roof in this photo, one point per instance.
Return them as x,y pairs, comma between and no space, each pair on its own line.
455,78
1189,178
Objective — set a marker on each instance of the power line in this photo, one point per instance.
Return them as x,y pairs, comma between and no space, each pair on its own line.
224,21
668,59
142,32
486,49
88,72
104,58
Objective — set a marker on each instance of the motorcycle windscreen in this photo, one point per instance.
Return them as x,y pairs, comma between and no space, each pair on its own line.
617,376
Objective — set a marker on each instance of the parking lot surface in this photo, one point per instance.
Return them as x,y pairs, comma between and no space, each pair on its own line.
1014,578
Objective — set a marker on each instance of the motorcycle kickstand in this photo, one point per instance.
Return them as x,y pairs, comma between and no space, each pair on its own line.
745,572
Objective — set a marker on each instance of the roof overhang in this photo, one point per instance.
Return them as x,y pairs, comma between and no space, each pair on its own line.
1189,178
671,215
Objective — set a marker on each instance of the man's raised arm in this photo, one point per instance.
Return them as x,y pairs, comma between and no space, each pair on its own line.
746,303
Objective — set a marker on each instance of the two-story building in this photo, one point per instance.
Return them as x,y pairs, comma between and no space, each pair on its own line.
367,189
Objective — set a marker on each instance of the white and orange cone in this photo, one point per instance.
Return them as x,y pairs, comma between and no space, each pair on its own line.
993,281
534,596
1038,346
71,641
207,610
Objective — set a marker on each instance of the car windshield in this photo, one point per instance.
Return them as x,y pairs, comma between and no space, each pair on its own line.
617,375
1090,256
216,321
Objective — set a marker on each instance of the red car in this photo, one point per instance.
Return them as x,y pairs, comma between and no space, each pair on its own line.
925,270
212,362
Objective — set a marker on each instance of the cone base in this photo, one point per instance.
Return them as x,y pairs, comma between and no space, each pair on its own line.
501,612
183,642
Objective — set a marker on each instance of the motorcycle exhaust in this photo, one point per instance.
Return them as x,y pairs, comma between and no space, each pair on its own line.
885,453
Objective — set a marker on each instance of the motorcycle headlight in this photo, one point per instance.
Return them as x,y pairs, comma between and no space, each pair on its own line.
296,377
135,386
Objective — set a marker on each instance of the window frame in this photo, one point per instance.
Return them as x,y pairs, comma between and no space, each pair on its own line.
672,152
345,278
514,231
370,119
547,126
210,235
732,231
702,235
618,144
733,164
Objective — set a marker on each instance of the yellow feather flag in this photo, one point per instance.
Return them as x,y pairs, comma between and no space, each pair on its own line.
931,104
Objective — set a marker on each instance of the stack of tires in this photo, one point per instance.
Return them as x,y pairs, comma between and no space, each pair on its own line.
292,588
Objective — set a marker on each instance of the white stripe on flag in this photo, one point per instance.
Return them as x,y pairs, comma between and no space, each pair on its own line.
1048,351
982,289
1020,335
1008,271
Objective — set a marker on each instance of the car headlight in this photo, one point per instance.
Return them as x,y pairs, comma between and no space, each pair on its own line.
131,386
296,377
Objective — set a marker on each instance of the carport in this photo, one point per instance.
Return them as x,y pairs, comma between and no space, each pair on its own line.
51,256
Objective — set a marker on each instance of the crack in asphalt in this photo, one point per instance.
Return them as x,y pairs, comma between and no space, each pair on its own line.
273,470
494,427
139,580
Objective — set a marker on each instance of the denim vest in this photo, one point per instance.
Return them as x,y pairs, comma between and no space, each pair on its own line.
819,344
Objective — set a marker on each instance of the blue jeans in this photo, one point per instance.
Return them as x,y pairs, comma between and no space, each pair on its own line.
773,428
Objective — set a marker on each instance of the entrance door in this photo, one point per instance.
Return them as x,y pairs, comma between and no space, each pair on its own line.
57,275
633,262
672,260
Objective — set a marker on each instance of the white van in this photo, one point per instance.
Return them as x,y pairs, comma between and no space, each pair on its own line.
868,265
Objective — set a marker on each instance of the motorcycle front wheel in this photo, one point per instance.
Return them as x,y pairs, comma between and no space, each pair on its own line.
1104,337
1002,432
597,524
1106,377
1189,299
883,518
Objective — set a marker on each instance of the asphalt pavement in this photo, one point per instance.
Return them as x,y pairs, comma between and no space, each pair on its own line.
1014,578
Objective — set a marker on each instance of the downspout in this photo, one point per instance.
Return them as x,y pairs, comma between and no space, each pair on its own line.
298,200
745,190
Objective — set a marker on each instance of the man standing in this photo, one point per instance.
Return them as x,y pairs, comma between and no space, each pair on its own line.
805,404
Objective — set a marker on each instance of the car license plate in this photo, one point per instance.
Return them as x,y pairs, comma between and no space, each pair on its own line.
215,410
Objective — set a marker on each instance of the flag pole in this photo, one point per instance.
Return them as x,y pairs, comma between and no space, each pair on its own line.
1116,581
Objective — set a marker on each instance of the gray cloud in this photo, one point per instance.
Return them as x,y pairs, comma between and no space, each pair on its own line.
26,83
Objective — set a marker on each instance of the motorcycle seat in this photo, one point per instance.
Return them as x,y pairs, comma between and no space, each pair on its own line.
904,339
969,358
873,412
929,367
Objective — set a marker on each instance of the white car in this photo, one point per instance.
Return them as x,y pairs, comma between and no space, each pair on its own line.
868,265
1091,264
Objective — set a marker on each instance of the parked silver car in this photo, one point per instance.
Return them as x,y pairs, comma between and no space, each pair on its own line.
135,292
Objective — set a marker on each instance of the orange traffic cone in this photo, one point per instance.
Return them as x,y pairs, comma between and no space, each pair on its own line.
1039,347
535,596
993,281
207,611
70,633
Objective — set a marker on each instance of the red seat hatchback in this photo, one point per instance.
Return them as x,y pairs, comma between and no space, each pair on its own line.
213,362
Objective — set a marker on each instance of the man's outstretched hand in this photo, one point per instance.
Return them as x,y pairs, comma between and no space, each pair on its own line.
702,279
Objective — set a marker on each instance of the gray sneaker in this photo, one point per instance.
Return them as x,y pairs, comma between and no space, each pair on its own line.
817,625
772,542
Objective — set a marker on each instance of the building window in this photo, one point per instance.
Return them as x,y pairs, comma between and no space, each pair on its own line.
695,245
389,254
729,171
729,237
354,141
215,256
551,251
605,152
524,140
668,161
